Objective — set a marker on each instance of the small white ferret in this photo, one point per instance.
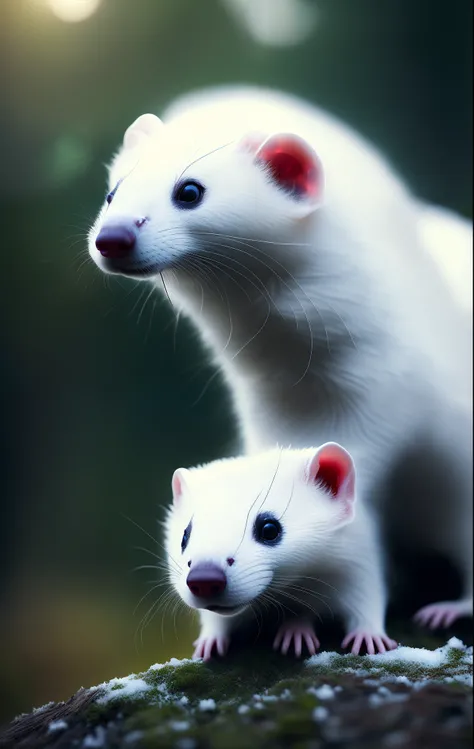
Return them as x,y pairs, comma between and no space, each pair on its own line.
337,306
277,532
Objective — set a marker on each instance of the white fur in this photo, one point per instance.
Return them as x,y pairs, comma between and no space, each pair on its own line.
448,238
341,321
327,562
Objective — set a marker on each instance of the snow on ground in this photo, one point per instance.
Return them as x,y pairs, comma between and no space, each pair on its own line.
412,666
95,740
127,686
415,666
171,662
454,660
422,656
57,725
451,662
207,706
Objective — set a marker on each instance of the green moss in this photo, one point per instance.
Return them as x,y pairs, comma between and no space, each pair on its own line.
223,680
455,657
270,724
153,716
194,680
293,726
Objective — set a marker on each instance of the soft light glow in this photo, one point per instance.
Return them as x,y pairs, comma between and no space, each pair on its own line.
276,23
73,11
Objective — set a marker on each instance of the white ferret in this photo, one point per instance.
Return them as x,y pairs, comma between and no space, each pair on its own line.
337,306
277,533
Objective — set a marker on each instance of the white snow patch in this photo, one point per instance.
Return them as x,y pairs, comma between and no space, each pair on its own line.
320,713
57,725
414,658
179,725
43,707
174,662
207,705
384,695
324,658
127,686
95,740
325,692
419,656
455,642
460,679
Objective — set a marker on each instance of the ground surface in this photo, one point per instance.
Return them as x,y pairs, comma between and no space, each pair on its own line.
414,698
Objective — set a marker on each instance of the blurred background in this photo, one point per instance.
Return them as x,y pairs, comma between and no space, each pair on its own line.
99,390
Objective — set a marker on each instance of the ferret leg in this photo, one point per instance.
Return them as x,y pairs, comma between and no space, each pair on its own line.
298,631
363,600
452,536
214,636
444,613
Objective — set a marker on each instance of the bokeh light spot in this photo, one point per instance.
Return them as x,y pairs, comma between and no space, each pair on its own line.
73,11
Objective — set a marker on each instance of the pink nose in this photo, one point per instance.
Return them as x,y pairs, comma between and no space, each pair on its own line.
115,241
206,581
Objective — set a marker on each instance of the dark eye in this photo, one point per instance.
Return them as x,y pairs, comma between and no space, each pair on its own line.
186,537
111,194
188,194
267,529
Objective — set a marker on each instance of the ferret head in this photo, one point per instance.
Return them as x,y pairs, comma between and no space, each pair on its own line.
240,528
191,197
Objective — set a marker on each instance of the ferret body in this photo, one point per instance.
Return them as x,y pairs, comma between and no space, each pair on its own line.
319,285
278,533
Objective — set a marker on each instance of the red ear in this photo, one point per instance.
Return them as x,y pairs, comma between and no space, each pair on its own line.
293,165
177,484
332,469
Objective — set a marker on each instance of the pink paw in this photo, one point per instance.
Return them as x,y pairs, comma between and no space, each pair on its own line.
442,614
204,647
373,643
296,631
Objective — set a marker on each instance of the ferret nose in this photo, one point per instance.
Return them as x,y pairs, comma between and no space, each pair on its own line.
115,241
206,580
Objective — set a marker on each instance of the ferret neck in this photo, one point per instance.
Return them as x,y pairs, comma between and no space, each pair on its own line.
279,338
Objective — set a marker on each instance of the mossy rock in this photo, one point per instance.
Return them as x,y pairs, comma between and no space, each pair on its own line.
256,698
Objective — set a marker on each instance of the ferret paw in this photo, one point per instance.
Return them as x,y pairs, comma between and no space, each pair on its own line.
205,646
296,631
373,643
442,614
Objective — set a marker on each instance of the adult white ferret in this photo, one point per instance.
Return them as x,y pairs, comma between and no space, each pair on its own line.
319,285
277,532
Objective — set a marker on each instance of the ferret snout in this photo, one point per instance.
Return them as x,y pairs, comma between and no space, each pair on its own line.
206,580
117,240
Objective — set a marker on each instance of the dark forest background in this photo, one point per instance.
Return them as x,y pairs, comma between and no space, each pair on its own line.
98,394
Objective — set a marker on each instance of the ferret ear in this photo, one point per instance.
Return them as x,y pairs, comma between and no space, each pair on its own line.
178,483
292,164
144,127
332,469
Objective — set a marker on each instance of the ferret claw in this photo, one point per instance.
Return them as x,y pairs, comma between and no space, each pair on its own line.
442,614
373,643
297,631
205,646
